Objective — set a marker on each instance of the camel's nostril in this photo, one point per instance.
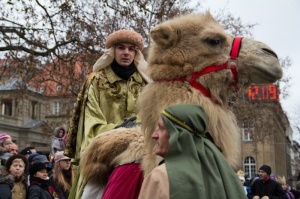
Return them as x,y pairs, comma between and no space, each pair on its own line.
270,52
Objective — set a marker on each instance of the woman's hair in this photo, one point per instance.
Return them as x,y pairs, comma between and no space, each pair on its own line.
59,176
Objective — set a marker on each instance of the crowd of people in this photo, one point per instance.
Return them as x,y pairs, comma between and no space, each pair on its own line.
30,174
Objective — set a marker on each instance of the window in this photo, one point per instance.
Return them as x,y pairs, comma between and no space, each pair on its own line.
56,108
34,110
247,131
6,107
249,167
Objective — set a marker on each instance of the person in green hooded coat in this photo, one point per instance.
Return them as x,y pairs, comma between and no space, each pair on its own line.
193,167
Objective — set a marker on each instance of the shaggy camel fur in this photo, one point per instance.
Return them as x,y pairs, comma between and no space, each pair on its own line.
180,47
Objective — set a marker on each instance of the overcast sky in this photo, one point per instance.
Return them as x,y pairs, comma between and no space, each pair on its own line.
279,27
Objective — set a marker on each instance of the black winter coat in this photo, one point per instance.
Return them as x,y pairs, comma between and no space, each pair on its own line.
6,185
39,189
269,188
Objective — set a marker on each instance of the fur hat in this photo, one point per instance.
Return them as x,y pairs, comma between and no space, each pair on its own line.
37,167
241,175
58,156
266,169
3,137
125,36
12,158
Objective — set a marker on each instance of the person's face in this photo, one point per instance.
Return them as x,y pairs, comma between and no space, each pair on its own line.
65,164
262,174
124,54
17,168
7,144
61,133
42,174
162,138
284,186
14,149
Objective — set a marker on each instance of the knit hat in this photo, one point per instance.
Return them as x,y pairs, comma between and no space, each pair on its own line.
125,36
3,137
31,156
266,169
58,156
40,159
37,167
13,158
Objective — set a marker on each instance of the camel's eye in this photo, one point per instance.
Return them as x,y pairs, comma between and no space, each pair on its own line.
214,42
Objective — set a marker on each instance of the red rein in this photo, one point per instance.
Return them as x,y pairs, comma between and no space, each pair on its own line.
230,64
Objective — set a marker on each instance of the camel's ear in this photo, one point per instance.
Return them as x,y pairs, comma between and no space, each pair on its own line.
163,35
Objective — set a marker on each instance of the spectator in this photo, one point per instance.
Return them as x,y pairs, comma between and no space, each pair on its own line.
108,96
285,187
193,167
297,191
16,166
14,148
241,176
62,176
58,143
265,187
40,187
26,152
5,141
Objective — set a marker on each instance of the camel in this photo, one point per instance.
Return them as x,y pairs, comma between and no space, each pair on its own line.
191,60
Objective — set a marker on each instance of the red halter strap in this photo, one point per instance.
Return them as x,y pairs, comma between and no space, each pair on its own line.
230,64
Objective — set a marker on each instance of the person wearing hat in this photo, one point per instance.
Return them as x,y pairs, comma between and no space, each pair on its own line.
26,152
63,175
241,176
266,187
16,167
5,142
39,182
192,166
109,95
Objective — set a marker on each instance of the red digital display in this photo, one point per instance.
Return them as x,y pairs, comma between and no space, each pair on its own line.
267,92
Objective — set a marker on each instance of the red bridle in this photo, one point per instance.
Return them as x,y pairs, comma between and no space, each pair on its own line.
230,64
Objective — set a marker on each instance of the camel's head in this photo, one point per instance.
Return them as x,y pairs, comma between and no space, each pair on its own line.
193,42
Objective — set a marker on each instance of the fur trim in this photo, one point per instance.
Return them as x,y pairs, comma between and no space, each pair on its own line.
108,150
125,36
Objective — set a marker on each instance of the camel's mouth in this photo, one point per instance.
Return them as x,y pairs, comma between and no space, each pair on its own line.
262,75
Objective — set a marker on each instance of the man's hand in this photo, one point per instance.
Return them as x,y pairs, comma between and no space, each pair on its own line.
256,197
265,197
128,123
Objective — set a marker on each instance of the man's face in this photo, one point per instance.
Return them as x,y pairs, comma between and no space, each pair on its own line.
262,174
161,136
124,54
14,149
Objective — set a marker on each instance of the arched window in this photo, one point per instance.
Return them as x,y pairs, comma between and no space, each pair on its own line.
250,167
